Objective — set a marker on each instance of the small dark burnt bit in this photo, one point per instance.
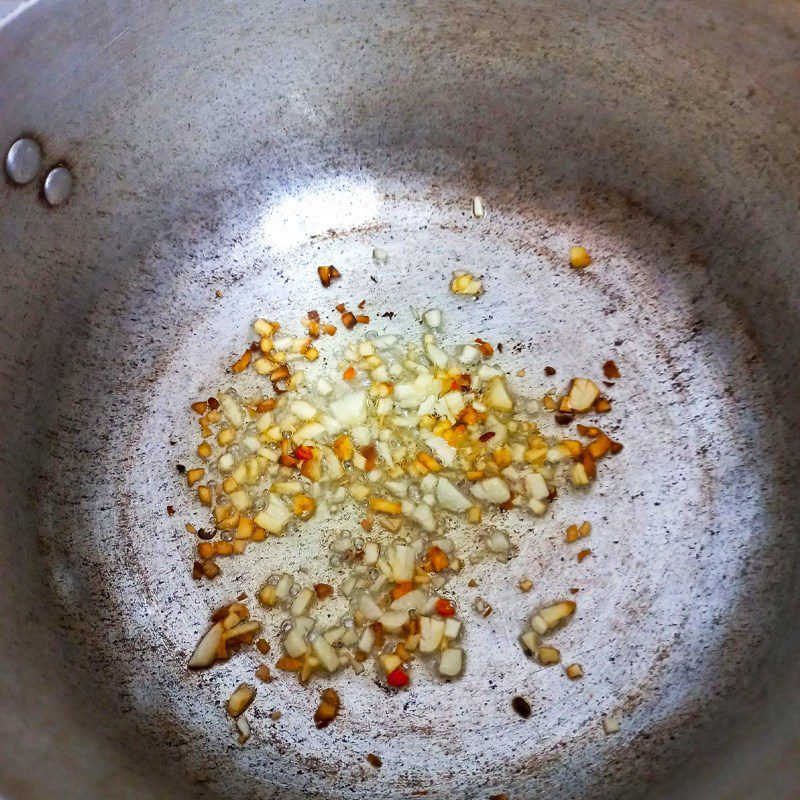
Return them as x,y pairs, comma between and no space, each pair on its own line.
181,469
374,760
564,417
499,347
170,511
611,370
205,535
549,371
197,570
521,706
213,403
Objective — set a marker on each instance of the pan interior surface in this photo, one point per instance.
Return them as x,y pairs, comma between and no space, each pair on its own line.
237,149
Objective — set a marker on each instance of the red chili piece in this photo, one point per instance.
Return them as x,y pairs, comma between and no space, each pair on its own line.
486,436
397,678
444,608
304,453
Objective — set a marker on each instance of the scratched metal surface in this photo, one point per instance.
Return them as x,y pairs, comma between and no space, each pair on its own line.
236,148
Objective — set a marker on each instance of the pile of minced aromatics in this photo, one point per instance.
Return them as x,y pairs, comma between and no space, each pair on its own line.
416,435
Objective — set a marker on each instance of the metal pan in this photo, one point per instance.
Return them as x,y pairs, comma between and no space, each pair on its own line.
235,146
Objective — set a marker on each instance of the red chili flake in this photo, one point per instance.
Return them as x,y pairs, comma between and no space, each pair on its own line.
484,437
454,386
170,510
397,678
549,371
486,349
444,608
304,453
213,403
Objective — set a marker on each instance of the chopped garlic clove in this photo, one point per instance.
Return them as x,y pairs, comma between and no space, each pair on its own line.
452,628
579,258
389,662
557,613
451,498
243,726
274,517
466,284
495,490
205,654
451,662
431,633
414,599
240,700
323,650
530,641
581,396
350,409
496,395
610,725
548,655
401,561
393,621
432,318
303,601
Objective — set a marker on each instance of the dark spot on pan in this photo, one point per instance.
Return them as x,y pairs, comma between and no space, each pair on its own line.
521,706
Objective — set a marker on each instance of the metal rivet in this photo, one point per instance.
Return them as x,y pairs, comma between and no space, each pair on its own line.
58,185
23,161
